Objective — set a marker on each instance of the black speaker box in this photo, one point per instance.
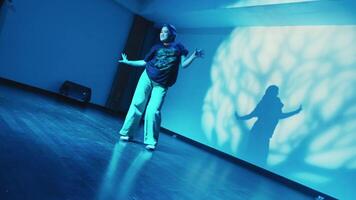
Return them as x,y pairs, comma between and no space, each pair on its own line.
75,91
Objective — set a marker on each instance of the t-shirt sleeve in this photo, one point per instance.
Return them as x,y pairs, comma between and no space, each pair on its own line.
183,50
151,54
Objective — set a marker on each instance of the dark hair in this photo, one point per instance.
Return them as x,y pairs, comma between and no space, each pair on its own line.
172,30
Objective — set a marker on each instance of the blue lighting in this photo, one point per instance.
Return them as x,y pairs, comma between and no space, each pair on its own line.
313,66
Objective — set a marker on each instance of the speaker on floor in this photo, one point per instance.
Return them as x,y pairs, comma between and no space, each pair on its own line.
75,91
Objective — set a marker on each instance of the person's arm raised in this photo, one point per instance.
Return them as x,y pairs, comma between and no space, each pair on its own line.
135,63
185,62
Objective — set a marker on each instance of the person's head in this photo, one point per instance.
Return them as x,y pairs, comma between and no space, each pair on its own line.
168,33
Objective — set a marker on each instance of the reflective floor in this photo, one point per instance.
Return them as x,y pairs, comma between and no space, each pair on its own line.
50,149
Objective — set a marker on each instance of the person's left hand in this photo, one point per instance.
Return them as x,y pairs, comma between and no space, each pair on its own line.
199,53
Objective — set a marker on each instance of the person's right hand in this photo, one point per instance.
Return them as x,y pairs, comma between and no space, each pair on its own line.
124,58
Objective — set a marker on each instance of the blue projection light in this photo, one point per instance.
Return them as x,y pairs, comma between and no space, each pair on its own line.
312,66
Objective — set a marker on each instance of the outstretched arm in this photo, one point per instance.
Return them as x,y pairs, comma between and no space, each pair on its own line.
135,63
246,117
198,53
289,114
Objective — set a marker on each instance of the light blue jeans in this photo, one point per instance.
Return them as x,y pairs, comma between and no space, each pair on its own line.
150,96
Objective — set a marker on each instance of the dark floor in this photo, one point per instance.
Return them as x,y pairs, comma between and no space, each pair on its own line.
50,149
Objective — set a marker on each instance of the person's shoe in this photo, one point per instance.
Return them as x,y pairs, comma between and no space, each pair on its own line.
150,147
124,138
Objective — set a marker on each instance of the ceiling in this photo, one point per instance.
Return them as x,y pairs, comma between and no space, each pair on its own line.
231,13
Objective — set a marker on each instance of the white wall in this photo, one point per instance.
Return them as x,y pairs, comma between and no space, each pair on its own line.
313,66
44,43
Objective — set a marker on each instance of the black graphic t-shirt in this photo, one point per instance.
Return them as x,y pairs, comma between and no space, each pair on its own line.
163,63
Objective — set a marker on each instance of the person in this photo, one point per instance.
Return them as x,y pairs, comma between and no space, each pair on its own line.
161,64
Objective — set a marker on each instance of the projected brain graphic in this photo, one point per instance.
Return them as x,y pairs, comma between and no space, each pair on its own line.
314,67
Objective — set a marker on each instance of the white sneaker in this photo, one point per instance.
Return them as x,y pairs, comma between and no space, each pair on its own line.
150,147
124,138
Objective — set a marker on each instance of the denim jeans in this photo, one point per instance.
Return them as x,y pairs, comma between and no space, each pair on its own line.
150,96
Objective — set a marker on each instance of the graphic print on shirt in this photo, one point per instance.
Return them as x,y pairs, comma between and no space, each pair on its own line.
166,58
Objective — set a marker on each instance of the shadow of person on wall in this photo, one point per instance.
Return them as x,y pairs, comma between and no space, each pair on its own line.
268,112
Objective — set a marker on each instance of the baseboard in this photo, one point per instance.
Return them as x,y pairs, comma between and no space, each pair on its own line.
56,95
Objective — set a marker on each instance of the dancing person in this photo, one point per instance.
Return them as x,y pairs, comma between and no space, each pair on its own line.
161,64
